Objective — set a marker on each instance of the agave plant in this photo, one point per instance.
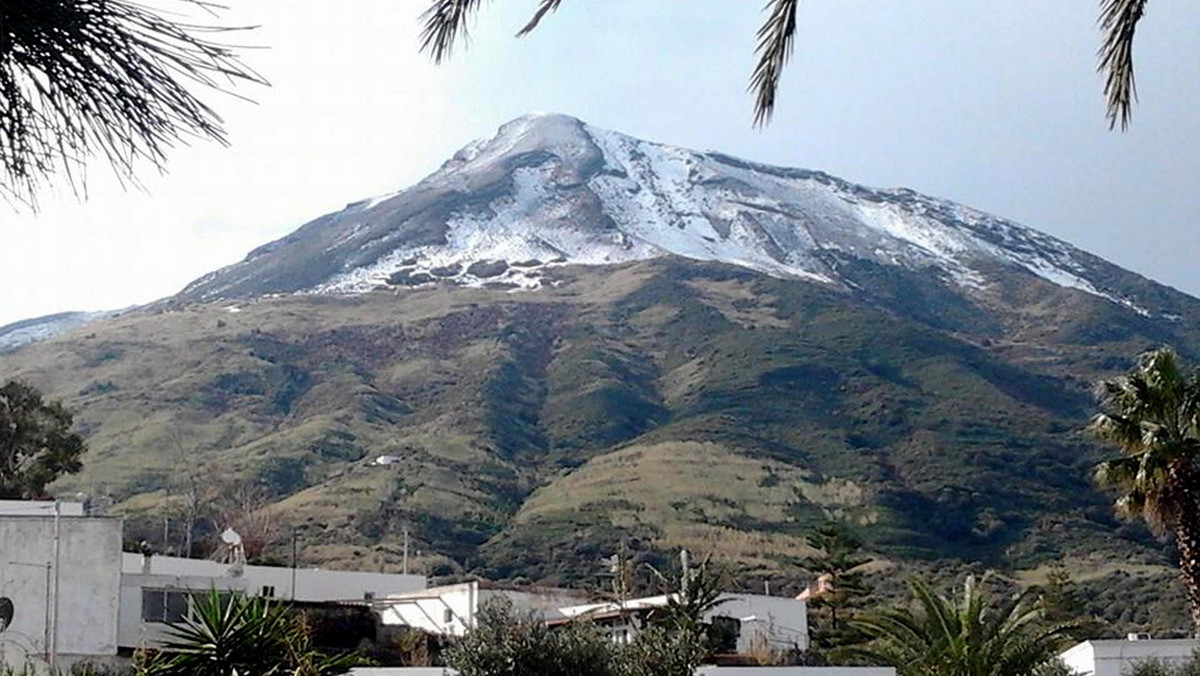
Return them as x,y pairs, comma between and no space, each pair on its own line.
233,634
967,636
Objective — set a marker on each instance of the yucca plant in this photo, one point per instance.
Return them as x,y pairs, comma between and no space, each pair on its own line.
965,636
227,634
1153,415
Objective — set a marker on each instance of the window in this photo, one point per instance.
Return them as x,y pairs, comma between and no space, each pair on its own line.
154,605
448,616
724,633
177,606
267,591
164,606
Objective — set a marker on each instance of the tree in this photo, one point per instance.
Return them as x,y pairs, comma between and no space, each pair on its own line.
227,634
1153,415
677,640
446,23
80,78
968,636
838,568
36,442
505,643
1059,597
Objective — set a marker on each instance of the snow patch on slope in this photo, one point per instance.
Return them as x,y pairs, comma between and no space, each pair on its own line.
648,200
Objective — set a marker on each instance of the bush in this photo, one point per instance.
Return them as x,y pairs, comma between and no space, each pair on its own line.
1157,667
504,643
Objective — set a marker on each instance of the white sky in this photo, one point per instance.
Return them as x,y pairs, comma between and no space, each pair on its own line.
995,105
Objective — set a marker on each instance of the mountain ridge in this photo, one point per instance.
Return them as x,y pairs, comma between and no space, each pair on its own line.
552,190
920,381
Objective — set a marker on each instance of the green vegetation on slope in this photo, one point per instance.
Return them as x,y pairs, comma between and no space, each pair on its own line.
663,403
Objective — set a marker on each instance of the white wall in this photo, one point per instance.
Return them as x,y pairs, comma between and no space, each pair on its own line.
88,583
312,584
702,671
175,573
132,631
1117,657
779,622
39,508
795,671
448,610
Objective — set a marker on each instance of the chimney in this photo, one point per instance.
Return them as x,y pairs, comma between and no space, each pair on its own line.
147,552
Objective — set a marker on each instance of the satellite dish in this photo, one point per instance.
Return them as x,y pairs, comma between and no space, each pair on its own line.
230,537
6,613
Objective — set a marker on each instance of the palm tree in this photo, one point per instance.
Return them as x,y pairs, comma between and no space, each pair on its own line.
113,78
1153,415
967,636
446,22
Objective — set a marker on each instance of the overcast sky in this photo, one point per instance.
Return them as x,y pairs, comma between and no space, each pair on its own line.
992,104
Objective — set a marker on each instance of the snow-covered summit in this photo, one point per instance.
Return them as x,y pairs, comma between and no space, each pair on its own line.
552,190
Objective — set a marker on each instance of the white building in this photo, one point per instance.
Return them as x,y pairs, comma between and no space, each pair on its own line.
1115,657
61,576
775,622
155,589
757,621
74,595
450,610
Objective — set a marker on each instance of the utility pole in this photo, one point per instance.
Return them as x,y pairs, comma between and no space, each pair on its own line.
54,625
294,535
406,550
685,574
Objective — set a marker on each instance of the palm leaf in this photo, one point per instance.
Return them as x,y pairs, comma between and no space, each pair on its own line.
775,42
544,8
1119,21
445,24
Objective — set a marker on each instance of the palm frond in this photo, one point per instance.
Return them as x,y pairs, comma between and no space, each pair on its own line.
776,39
544,8
1118,21
112,78
972,635
446,24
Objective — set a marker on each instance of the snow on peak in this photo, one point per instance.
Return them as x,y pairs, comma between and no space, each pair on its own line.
549,189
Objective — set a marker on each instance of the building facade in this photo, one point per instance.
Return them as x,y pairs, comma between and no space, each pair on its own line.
61,576
1115,657
754,621
155,589
68,593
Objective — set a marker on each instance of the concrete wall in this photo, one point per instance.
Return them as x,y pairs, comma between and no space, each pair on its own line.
777,622
89,562
702,671
795,671
1117,657
140,574
448,610
539,601
39,508
132,631
312,584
